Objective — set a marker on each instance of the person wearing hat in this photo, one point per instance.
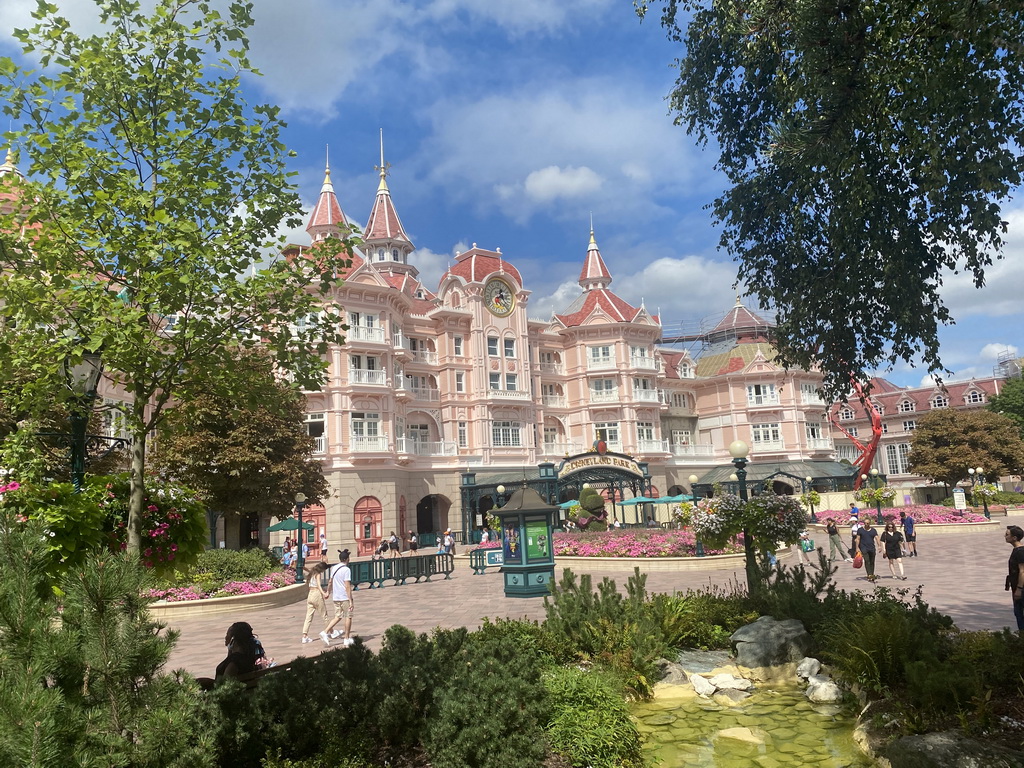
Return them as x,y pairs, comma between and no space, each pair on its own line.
449,542
341,593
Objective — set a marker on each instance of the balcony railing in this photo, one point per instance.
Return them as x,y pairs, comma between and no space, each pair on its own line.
693,449
510,394
423,356
363,376
560,449
555,368
756,400
554,401
643,363
646,396
811,398
427,448
766,446
320,444
369,444
362,333
600,363
398,341
820,443
424,393
604,396
653,446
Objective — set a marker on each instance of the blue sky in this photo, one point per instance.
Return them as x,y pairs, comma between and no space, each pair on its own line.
508,124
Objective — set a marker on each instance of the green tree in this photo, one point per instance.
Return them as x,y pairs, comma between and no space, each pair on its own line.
948,442
1010,402
152,194
868,148
79,673
248,457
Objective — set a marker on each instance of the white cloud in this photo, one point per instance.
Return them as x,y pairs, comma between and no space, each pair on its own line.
522,16
1001,295
553,182
542,307
993,352
682,289
431,266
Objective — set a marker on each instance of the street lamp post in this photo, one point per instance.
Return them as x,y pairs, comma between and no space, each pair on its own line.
809,480
978,476
739,451
83,378
300,502
876,484
693,498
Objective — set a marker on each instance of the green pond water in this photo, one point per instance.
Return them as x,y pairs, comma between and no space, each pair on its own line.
794,732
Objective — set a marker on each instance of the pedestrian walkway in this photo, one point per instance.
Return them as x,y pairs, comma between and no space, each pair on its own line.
960,575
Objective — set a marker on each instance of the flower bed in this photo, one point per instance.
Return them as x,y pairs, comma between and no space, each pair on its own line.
267,583
636,543
922,513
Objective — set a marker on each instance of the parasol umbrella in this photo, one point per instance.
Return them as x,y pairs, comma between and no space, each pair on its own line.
290,524
635,500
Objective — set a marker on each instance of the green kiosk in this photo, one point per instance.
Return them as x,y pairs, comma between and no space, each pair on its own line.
528,550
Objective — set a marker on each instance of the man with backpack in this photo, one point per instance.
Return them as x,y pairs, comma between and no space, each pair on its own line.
341,593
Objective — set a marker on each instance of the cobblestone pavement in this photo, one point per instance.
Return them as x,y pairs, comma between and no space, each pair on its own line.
960,574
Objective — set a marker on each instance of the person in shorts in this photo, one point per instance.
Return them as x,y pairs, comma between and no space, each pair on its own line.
394,546
413,542
323,546
909,534
341,594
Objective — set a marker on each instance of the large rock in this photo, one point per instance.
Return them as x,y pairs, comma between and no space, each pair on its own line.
950,749
821,690
768,642
727,681
670,673
746,735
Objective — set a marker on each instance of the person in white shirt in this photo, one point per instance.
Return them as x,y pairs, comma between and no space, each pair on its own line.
341,593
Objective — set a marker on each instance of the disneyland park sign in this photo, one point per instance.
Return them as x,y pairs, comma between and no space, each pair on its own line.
596,461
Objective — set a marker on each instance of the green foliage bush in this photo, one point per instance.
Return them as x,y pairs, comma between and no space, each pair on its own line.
590,723
704,619
223,565
491,710
606,628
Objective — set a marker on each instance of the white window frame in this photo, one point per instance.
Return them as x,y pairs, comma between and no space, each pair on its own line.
506,434
494,381
365,424
460,381
509,347
457,346
768,432
762,394
681,436
492,346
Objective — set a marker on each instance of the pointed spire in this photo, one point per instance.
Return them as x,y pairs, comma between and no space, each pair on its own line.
594,274
383,167
9,165
327,217
384,238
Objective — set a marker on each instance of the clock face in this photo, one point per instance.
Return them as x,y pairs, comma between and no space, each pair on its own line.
499,298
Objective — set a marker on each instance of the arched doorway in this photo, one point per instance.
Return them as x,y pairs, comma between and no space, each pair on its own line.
368,517
782,488
432,513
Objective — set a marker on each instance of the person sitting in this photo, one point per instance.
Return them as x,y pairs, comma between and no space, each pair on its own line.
241,658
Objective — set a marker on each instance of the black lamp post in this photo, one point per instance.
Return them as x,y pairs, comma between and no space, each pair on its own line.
876,484
978,476
810,489
693,497
739,451
300,502
83,378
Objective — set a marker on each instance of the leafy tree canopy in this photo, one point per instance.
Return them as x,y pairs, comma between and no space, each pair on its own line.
153,192
1010,402
948,442
244,458
869,147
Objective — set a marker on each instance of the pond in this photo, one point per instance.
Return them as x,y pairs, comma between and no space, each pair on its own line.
772,728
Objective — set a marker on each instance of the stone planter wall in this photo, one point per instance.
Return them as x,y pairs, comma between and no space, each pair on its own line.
659,564
163,611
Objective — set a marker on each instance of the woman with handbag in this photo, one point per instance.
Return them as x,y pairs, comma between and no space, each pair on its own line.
893,541
835,541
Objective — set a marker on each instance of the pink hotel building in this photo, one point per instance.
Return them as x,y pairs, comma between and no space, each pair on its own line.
435,383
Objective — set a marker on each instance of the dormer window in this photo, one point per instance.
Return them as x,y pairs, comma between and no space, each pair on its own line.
846,414
906,406
380,254
974,397
940,401
879,407
394,254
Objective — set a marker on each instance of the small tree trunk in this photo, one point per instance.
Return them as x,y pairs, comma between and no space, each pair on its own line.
138,478
750,563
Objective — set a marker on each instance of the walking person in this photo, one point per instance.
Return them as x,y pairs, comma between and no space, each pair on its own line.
892,539
804,545
323,546
341,594
316,597
909,534
1015,576
835,542
864,544
413,542
449,542
394,546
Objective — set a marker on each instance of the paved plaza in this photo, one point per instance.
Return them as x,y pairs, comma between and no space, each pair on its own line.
961,574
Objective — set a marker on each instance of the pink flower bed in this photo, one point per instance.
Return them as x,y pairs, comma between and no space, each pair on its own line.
488,545
267,583
922,513
635,543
